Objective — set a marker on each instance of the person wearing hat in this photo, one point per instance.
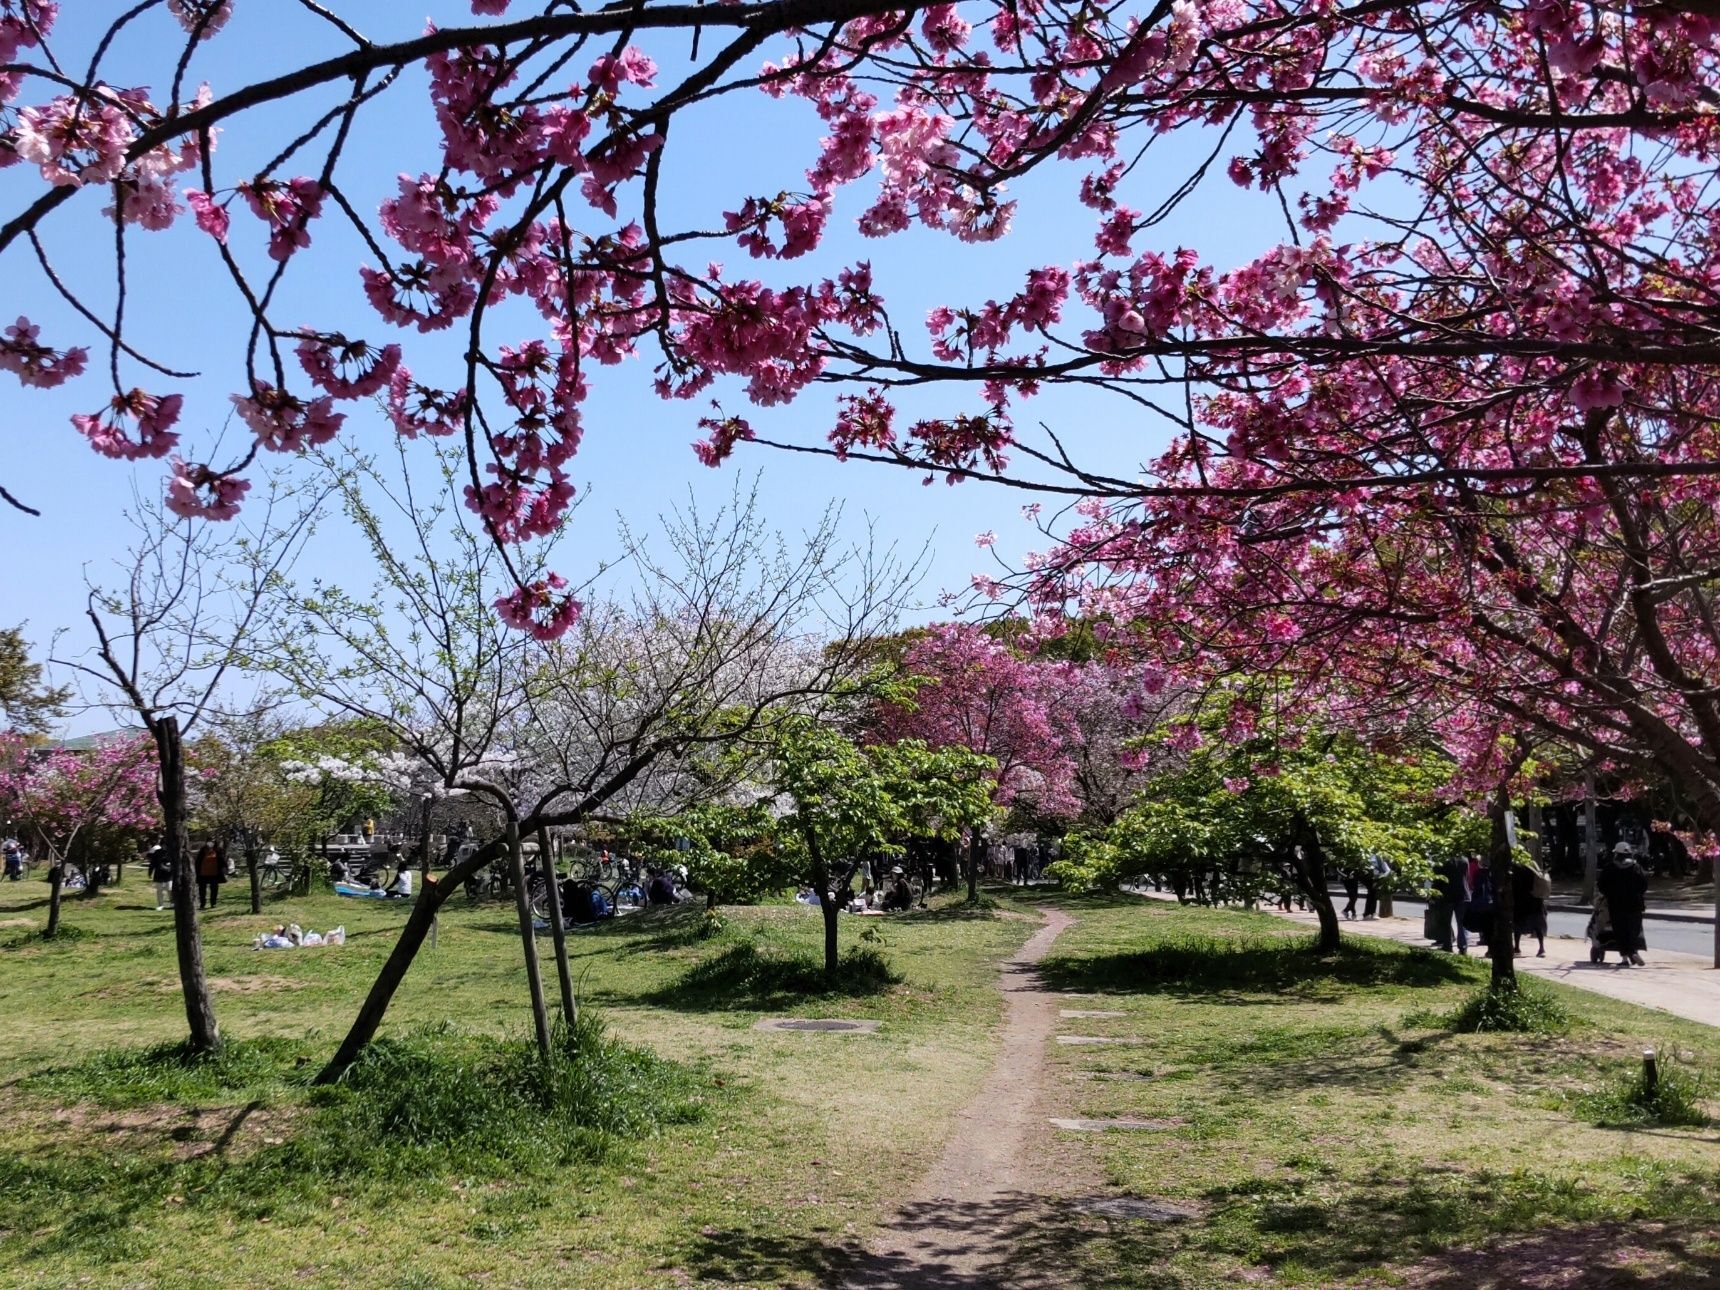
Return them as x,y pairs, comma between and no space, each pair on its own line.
1625,887
897,896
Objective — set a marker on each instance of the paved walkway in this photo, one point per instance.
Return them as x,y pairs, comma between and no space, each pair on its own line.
1682,984
974,1220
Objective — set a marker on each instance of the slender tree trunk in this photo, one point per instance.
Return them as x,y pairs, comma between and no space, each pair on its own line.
557,929
1501,948
1591,840
56,882
256,877
974,848
205,1035
528,939
424,843
412,937
828,908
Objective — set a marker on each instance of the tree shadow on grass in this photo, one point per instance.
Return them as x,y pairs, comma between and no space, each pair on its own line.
1215,969
748,977
1439,1215
1013,1240
1601,1256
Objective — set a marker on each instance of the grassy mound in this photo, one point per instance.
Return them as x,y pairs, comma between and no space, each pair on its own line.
1677,1099
750,976
1525,1010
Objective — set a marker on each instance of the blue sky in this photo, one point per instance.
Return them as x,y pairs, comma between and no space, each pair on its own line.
635,459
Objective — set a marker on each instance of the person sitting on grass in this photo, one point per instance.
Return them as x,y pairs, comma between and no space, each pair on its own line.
402,884
661,889
898,897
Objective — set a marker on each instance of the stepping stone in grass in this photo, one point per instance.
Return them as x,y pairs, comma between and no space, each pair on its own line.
1128,1123
1141,1208
1089,1012
1095,1039
818,1024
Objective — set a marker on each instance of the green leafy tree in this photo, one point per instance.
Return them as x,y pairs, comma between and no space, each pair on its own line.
850,802
1250,810
731,853
27,705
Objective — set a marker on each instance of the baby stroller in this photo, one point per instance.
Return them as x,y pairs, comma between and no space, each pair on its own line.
1601,935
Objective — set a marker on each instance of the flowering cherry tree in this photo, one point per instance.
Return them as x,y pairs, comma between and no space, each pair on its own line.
977,693
1486,228
74,801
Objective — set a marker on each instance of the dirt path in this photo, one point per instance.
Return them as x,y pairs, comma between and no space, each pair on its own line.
974,1218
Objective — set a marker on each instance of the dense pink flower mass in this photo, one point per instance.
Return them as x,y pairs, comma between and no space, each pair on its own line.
979,694
1485,226
53,798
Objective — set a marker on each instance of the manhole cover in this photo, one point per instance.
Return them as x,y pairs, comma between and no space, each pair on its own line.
1127,1123
1089,1012
816,1023
1093,1039
1140,1208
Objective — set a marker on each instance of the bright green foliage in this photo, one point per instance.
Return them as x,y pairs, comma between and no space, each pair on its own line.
1236,807
731,852
851,802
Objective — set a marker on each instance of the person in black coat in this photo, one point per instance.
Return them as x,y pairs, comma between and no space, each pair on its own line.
1625,887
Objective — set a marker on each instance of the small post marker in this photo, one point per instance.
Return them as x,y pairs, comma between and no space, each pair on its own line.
1650,1072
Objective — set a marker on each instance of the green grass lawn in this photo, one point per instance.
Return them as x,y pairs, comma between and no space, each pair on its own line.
778,1147
1325,1130
1316,1120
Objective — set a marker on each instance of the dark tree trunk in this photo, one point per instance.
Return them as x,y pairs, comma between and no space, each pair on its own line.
557,929
974,848
412,937
1501,939
528,939
1308,863
187,941
256,877
56,883
826,905
828,908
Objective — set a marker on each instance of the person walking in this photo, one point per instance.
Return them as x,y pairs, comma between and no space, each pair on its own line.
1451,901
1530,887
1352,887
161,874
1373,876
211,873
1625,887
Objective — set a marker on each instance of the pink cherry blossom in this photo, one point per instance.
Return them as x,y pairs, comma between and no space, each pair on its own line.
33,363
197,492
347,369
205,17
134,425
283,422
540,608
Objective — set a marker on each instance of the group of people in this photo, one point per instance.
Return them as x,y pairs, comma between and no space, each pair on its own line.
1462,902
208,862
1463,898
895,896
